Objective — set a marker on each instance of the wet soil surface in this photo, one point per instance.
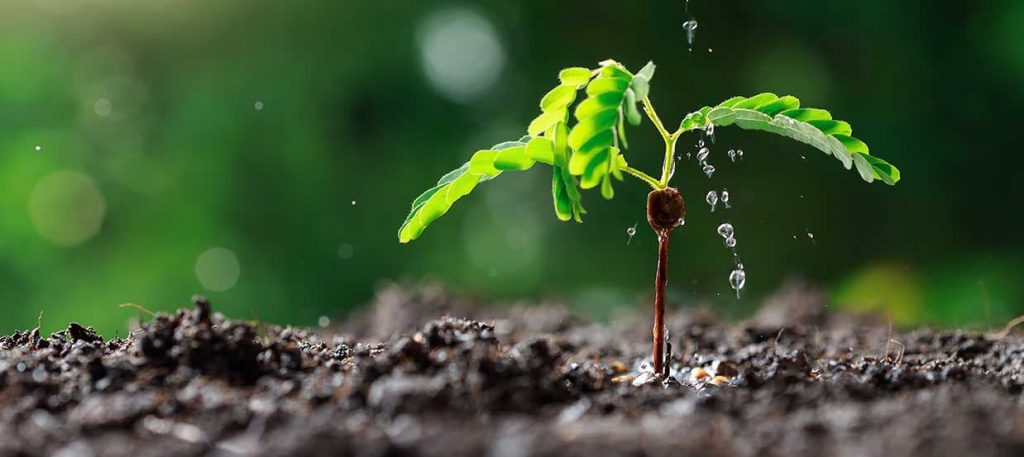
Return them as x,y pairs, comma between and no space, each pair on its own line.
403,379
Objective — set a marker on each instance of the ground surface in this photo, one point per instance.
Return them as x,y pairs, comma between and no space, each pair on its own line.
401,380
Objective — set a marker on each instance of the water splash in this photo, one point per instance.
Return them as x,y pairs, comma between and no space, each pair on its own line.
709,169
725,198
712,199
738,279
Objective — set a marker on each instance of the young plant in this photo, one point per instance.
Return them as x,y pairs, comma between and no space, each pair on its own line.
588,154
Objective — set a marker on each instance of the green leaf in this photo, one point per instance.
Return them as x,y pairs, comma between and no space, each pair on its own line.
558,98
541,150
632,114
783,116
545,121
513,159
575,76
647,72
484,165
611,98
757,101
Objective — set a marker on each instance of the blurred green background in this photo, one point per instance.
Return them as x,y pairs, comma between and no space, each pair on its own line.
264,153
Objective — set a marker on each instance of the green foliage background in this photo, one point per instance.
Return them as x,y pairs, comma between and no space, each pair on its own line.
183,162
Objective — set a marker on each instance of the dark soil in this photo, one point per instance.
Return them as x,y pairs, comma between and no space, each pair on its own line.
402,380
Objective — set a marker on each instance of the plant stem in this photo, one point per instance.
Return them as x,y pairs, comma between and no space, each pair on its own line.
659,301
653,115
670,143
654,183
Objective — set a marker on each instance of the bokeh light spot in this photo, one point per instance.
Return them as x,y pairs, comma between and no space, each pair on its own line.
103,107
461,53
346,251
67,208
217,269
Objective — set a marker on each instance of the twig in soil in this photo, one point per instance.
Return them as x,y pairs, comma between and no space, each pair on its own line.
888,340
1006,330
775,342
137,307
899,358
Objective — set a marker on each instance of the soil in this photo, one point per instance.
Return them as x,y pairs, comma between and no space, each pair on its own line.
401,379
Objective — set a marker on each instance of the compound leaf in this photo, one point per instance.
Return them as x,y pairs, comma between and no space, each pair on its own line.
784,116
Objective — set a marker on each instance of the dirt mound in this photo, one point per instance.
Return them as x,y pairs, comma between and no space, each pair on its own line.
512,382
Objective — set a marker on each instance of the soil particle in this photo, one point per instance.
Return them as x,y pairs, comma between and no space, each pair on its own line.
510,382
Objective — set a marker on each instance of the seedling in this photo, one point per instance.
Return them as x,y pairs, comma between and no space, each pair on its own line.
588,154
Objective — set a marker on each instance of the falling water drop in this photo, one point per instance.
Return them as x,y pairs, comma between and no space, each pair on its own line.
681,222
39,148
725,198
739,153
709,169
732,155
258,105
738,279
712,199
702,154
631,232
353,203
726,230
691,30
710,131
730,242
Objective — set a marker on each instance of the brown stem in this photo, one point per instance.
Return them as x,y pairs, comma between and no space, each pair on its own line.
659,300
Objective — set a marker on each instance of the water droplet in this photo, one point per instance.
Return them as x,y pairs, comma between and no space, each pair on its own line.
732,155
702,154
353,203
631,232
730,242
39,148
725,198
710,130
691,30
258,105
709,169
709,50
712,199
726,230
739,153
737,279
324,321
700,143
682,222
